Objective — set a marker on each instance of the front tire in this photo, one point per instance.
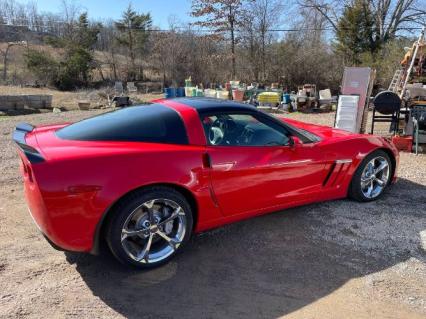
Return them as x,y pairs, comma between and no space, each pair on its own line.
149,227
371,177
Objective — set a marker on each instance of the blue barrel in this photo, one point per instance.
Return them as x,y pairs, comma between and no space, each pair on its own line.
286,98
169,93
180,92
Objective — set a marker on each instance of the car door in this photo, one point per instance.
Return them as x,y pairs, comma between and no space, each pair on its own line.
257,172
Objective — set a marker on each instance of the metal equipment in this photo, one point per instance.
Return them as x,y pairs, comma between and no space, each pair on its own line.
347,113
306,97
407,86
418,115
396,80
121,101
417,44
388,104
358,82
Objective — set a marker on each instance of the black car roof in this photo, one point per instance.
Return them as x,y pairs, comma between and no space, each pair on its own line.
206,105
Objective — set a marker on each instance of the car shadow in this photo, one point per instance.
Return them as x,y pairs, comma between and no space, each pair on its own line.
268,266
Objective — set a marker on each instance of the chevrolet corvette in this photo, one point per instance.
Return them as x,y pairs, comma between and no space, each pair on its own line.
144,178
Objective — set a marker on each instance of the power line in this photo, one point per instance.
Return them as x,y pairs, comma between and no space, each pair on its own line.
200,30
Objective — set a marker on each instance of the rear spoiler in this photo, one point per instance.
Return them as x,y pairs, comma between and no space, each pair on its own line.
19,137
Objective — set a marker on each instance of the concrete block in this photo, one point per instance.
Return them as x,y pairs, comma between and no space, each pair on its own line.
19,106
10,105
36,104
10,102
34,97
12,98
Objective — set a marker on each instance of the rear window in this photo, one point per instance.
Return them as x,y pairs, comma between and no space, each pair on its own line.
153,123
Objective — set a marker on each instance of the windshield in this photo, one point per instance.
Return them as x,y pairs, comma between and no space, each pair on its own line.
312,138
304,135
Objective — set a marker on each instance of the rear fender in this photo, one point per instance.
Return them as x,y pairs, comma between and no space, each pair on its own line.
79,193
103,222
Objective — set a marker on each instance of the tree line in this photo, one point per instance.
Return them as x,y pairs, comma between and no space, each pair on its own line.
264,41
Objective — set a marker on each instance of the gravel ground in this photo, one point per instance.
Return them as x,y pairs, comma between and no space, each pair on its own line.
338,259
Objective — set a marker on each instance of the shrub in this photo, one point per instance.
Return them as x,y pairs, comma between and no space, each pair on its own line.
43,66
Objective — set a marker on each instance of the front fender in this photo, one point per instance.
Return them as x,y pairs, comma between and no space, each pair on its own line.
354,150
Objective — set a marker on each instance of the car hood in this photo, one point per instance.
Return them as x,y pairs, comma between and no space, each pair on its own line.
324,132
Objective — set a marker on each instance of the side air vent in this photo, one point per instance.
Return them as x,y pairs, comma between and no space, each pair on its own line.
333,166
336,173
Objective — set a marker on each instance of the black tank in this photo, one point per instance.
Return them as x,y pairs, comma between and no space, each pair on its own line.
387,102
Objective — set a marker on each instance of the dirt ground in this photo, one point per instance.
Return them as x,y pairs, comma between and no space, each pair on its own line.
338,259
69,99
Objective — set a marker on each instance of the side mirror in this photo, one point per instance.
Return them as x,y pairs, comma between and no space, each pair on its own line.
295,141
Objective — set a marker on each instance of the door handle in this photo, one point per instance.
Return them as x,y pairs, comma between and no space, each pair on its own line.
207,163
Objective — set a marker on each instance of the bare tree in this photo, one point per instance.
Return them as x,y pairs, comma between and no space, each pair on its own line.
70,13
5,54
222,15
393,16
107,47
266,15
390,16
250,47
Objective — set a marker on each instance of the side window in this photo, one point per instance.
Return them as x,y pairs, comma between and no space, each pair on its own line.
153,123
242,130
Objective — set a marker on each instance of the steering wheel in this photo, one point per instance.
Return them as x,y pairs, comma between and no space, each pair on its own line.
217,131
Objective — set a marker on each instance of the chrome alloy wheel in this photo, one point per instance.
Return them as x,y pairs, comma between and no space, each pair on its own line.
153,231
375,177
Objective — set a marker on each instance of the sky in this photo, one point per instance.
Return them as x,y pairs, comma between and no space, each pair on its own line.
160,10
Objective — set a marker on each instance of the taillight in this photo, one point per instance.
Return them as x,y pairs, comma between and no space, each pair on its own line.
30,173
24,166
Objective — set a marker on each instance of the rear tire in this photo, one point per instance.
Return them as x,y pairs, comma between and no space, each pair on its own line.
372,177
149,227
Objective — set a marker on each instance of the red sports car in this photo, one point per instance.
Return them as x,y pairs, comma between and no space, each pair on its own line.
145,178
